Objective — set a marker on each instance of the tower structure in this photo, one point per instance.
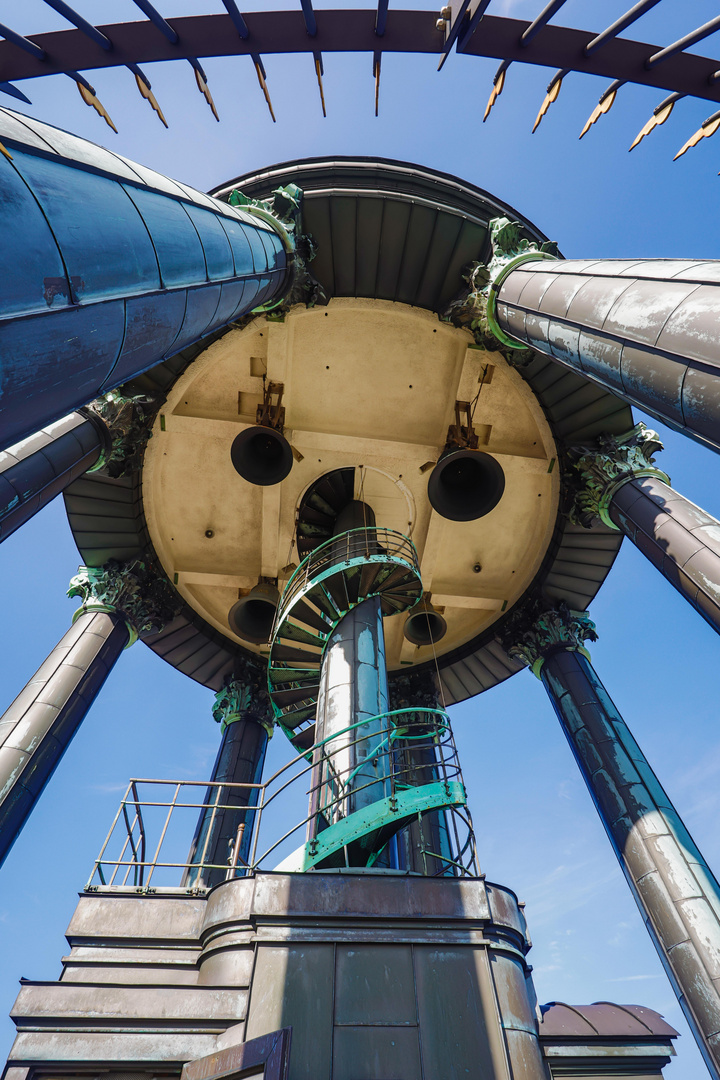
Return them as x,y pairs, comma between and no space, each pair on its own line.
350,464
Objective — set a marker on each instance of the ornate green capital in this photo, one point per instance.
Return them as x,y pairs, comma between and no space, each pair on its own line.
417,689
597,472
128,420
538,631
244,696
475,309
145,599
284,211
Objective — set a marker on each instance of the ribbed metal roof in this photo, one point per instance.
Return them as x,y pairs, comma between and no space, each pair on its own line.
402,232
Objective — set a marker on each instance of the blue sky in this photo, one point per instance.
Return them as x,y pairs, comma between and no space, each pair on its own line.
537,829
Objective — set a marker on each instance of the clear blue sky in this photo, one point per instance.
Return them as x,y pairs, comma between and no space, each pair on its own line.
537,829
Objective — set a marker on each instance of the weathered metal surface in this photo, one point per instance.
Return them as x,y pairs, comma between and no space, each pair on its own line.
678,537
378,975
674,888
114,271
270,1055
355,31
244,712
646,330
34,471
37,728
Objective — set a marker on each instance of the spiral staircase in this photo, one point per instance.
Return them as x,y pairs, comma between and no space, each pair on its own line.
337,575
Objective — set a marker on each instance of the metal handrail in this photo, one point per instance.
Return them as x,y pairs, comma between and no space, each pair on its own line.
343,550
400,776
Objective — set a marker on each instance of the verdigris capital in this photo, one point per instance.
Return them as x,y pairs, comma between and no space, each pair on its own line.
539,630
596,472
143,597
128,420
244,696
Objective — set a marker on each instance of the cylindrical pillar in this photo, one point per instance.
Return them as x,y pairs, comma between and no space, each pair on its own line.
424,846
620,486
37,728
113,268
678,537
225,827
353,691
677,894
34,471
35,731
647,330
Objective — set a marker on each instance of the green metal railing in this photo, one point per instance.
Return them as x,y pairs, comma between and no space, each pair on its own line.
154,814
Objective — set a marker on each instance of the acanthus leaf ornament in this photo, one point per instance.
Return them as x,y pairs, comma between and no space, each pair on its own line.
596,473
142,596
243,696
542,628
474,309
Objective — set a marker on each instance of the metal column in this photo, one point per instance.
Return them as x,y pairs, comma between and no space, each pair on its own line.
225,829
119,602
647,330
353,690
37,469
35,731
616,482
677,894
114,267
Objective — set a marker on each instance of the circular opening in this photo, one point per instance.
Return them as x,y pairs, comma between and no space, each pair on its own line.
465,485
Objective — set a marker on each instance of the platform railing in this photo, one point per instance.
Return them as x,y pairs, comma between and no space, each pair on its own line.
365,545
146,848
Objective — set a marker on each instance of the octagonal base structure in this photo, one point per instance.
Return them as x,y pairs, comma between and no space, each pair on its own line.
380,976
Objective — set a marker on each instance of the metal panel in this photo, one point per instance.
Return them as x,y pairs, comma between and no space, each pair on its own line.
454,1023
28,243
90,216
376,1053
176,242
293,987
375,985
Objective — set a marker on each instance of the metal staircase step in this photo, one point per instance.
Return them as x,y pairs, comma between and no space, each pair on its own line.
282,698
286,654
294,717
302,612
289,632
303,676
321,599
304,739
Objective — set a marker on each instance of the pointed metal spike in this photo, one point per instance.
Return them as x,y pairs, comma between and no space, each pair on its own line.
552,94
90,98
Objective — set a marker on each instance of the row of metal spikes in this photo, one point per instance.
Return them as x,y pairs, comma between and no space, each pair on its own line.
144,85
607,99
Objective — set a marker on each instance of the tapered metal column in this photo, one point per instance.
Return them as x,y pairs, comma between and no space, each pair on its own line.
37,469
112,268
675,890
37,728
647,330
620,486
225,829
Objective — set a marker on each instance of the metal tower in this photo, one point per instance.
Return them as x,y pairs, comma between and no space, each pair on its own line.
347,442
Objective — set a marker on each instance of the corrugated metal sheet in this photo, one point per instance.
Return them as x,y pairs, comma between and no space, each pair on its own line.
399,232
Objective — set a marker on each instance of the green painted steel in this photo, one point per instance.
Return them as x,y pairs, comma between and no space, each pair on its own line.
332,580
389,814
